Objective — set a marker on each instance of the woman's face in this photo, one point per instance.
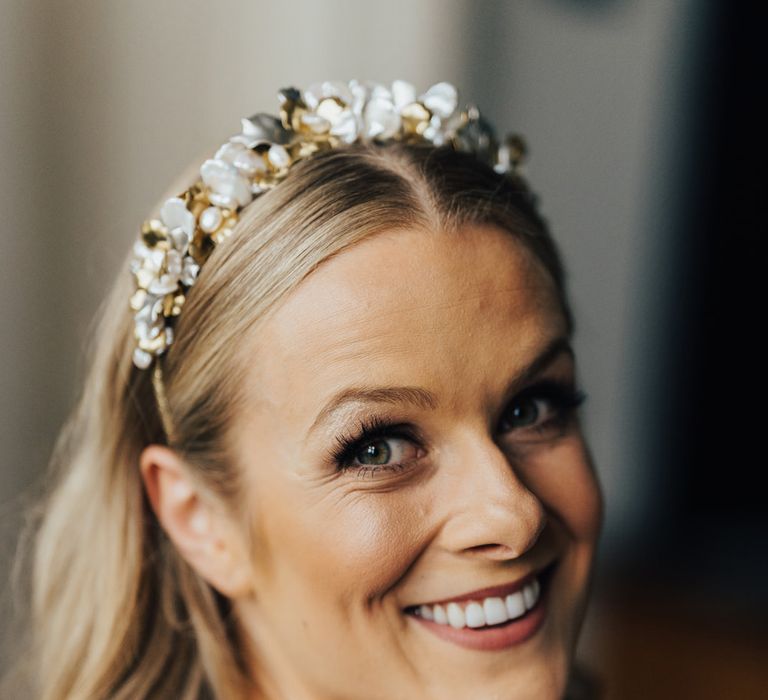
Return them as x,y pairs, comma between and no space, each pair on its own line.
445,553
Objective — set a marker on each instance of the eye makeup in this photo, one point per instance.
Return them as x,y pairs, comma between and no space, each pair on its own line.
554,404
370,429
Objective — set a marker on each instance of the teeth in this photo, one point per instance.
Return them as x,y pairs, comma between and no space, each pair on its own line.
456,617
475,615
529,596
495,611
515,604
489,611
440,615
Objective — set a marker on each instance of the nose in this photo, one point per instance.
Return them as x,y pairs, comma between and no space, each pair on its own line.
489,510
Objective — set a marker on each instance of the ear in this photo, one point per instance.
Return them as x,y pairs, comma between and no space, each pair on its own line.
202,532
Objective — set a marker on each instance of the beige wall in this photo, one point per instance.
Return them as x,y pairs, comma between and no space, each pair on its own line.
103,102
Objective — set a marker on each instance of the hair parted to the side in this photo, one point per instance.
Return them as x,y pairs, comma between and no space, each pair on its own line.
117,613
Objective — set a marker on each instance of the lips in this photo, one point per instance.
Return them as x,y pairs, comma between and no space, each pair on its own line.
480,621
491,591
500,591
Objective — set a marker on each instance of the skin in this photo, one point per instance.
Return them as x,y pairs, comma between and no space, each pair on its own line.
335,556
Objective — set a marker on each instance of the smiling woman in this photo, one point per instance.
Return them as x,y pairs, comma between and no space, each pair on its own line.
355,470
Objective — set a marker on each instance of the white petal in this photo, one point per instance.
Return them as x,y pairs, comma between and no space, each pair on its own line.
229,151
379,92
190,271
317,92
261,127
173,263
140,251
151,312
149,321
155,260
381,119
215,172
434,134
316,124
346,127
312,95
222,200
441,99
330,110
141,358
248,163
243,159
223,179
176,215
165,285
359,97
278,156
403,93
180,240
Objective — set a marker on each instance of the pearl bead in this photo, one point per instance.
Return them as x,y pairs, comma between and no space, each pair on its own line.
210,219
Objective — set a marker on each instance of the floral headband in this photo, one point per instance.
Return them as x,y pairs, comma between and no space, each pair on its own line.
171,250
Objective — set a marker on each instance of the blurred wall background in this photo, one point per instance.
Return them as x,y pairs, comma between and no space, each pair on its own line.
624,105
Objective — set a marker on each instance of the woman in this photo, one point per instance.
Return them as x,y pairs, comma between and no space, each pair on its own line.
333,451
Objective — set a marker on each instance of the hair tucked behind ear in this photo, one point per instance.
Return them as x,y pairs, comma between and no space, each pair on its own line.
116,612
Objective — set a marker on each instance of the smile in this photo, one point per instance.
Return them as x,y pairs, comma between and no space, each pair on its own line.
490,619
488,611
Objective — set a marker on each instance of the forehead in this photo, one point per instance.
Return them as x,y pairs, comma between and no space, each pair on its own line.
406,306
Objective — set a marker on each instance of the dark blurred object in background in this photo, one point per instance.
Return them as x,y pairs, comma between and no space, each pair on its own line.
685,616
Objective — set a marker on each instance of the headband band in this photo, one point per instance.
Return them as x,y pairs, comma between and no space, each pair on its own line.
170,251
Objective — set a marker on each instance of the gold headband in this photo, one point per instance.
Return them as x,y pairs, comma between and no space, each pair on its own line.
170,250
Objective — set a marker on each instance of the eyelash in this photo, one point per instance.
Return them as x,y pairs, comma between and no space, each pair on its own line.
563,398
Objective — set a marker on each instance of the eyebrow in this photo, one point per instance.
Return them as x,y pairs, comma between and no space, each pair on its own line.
425,399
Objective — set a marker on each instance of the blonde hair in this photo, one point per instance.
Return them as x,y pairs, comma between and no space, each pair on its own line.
116,612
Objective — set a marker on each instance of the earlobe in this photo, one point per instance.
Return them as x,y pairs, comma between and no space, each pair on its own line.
202,533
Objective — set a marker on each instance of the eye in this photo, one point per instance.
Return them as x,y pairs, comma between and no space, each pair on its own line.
526,411
542,409
383,451
376,446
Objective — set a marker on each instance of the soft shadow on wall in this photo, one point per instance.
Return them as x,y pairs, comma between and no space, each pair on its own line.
684,606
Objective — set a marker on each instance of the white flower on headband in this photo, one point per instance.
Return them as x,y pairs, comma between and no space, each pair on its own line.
331,102
159,270
171,250
376,109
226,185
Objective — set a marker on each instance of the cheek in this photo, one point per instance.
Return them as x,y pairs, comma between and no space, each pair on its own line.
563,478
348,548
370,535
